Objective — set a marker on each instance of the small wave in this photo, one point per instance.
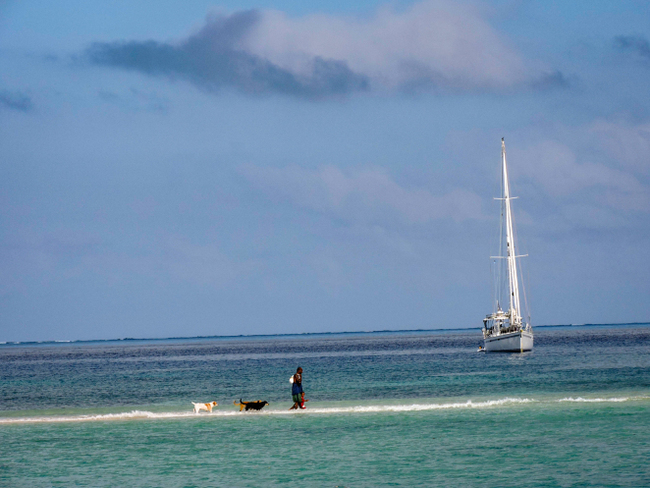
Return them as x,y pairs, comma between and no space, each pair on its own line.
416,407
593,400
143,414
334,410
135,414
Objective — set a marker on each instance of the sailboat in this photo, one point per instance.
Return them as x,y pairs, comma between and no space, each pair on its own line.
507,331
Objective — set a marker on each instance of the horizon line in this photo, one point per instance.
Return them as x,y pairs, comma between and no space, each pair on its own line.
135,339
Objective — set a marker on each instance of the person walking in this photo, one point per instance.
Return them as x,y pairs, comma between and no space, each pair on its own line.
297,394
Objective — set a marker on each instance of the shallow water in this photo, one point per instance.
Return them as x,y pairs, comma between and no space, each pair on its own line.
391,409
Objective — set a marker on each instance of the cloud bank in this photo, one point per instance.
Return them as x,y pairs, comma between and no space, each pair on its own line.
557,169
433,45
366,196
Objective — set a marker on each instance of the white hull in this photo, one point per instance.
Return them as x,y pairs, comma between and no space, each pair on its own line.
519,341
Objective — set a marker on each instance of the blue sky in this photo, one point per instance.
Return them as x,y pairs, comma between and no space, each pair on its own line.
195,168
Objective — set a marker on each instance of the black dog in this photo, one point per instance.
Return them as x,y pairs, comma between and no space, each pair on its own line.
258,405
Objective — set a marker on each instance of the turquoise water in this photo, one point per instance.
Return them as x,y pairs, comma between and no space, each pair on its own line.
391,409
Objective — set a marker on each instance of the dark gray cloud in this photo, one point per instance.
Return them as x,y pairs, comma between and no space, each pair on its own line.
635,44
15,101
547,81
212,59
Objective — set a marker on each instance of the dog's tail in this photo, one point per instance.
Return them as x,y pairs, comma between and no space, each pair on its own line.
241,404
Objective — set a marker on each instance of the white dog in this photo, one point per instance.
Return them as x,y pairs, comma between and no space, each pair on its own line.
204,406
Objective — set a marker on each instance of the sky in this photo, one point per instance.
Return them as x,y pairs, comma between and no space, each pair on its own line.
192,168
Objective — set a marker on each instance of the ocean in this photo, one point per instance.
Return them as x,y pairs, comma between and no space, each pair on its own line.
419,408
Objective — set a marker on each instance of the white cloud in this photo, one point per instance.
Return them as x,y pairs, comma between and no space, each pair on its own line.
626,144
431,45
435,42
556,168
367,195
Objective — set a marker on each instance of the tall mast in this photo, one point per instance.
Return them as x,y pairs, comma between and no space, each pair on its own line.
511,255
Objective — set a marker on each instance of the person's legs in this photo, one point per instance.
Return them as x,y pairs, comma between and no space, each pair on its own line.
296,401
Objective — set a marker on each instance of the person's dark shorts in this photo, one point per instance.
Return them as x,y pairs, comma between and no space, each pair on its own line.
297,398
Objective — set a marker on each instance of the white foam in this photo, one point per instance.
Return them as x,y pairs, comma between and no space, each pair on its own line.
417,407
135,414
593,400
143,414
352,409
